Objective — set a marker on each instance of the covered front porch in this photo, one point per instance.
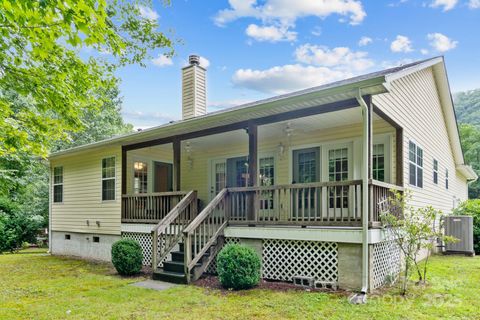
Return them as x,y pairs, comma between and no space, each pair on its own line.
297,168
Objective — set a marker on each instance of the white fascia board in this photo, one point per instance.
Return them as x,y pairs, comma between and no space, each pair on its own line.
467,171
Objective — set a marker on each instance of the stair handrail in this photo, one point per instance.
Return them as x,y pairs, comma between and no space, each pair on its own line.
207,240
188,201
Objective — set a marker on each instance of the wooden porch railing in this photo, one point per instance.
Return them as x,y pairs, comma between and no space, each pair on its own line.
319,203
149,207
381,194
204,231
169,231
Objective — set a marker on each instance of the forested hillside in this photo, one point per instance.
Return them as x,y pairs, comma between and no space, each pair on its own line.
467,107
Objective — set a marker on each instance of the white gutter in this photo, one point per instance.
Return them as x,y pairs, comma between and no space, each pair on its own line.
365,197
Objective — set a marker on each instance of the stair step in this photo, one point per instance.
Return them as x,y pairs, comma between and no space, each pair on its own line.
174,266
169,276
179,255
182,247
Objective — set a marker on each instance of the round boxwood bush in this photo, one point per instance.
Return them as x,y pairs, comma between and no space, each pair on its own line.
127,257
238,267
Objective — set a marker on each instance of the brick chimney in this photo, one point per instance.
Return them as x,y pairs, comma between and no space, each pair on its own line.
194,91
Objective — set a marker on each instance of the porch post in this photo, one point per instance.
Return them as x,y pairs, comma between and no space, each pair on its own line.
252,166
124,170
176,164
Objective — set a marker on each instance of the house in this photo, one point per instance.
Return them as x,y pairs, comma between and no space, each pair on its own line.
298,177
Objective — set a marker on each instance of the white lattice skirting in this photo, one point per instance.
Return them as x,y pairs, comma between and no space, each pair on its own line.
285,259
386,263
145,241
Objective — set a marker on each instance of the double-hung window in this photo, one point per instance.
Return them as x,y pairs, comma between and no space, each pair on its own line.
415,165
58,184
108,179
435,171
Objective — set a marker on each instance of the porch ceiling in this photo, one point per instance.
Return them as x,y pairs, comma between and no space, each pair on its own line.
300,126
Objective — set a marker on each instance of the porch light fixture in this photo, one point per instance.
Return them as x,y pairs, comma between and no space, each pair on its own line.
138,165
188,147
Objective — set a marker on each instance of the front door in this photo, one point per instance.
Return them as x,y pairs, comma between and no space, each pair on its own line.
306,169
237,172
218,178
338,158
163,177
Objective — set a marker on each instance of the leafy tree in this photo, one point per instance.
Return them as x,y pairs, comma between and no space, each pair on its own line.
41,63
470,138
414,230
467,106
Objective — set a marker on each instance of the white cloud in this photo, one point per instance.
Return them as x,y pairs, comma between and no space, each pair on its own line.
287,12
162,61
474,4
287,78
446,4
143,120
204,62
364,41
148,13
316,65
424,51
401,44
339,58
441,42
270,33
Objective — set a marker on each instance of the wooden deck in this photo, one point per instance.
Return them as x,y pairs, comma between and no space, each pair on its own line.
311,204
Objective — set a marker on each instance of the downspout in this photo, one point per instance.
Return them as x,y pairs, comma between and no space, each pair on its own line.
365,197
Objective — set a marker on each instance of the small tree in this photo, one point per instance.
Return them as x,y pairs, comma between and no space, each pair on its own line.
412,231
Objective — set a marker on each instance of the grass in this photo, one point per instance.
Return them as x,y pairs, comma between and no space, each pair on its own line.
39,286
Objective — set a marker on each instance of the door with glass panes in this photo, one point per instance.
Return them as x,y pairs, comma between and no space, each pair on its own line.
306,169
338,161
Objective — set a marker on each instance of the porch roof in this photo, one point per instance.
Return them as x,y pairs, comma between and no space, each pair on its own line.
326,95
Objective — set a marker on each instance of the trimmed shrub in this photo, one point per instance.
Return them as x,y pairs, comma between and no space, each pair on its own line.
472,208
238,267
127,257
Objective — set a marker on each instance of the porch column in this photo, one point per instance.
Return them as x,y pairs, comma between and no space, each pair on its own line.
176,164
252,166
124,170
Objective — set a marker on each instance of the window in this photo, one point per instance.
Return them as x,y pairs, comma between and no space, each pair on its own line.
140,177
108,179
267,171
338,171
446,178
416,165
57,184
435,171
267,178
379,162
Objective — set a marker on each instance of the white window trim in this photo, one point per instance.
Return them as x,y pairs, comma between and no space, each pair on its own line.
102,179
58,184
417,145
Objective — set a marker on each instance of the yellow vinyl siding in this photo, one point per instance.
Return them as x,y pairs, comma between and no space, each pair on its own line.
414,103
82,193
198,177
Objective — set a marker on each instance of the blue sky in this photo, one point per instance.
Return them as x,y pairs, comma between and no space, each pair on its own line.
256,49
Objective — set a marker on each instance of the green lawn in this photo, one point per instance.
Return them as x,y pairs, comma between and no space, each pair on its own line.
38,286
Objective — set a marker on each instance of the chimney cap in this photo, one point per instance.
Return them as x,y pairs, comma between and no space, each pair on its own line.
194,60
